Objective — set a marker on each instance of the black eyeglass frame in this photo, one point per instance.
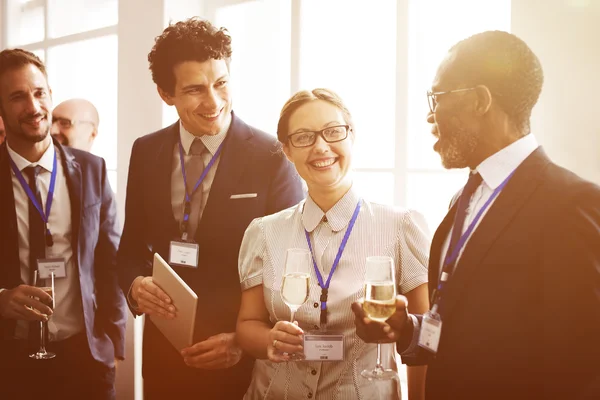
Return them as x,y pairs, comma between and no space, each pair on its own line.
432,96
319,133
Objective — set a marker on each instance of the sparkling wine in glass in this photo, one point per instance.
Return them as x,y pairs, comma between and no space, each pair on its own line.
42,353
295,285
379,304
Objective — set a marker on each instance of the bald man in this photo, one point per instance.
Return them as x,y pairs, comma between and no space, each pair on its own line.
2,134
75,123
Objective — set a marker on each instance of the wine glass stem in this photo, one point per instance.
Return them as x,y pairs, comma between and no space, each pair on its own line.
379,367
293,312
43,328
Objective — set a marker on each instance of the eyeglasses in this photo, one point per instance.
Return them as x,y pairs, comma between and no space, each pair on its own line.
331,134
432,96
68,123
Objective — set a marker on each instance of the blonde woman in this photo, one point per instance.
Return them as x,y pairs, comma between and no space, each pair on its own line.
317,134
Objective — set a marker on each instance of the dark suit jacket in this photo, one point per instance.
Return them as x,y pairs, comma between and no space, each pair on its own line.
521,313
251,162
95,237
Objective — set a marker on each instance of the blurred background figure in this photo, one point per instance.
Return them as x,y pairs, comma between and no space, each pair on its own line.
75,123
2,134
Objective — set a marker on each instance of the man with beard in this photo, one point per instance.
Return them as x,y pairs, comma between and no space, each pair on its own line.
514,268
58,217
75,123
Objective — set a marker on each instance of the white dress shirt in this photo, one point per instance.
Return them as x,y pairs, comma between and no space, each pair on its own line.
493,170
379,231
67,319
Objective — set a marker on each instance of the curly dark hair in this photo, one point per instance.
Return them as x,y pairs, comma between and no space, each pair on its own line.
507,66
191,40
17,58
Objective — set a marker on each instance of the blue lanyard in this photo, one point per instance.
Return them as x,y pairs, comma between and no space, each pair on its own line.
188,195
451,256
325,285
33,198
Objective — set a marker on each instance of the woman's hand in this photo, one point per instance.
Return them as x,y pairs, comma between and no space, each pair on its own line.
285,338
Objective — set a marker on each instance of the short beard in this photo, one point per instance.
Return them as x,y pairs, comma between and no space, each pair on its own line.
457,147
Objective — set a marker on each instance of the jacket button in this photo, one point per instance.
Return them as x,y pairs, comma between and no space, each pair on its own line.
314,372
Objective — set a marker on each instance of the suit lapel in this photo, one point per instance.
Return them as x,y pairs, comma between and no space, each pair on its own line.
520,187
74,184
163,172
232,164
10,265
441,234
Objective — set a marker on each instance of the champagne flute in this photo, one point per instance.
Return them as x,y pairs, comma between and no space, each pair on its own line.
42,354
294,288
379,304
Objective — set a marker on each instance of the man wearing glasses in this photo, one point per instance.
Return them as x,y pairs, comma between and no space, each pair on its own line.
514,269
75,123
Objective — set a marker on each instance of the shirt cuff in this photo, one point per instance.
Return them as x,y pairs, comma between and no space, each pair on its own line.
132,303
414,343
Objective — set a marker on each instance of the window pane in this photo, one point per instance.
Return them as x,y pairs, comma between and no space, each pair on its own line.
260,64
349,47
377,187
169,114
25,21
40,53
430,193
431,34
66,17
112,179
74,71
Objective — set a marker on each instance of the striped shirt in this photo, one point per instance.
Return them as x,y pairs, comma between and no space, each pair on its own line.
379,230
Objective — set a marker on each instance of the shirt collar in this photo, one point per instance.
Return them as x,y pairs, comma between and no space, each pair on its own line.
211,142
45,162
496,168
338,216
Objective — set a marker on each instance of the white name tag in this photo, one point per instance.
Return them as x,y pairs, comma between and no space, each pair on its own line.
323,347
47,266
184,254
431,330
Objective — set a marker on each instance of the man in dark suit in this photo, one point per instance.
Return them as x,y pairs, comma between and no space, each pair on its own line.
197,183
55,203
514,270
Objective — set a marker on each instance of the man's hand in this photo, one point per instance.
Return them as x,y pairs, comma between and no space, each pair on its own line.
19,303
389,331
216,352
151,299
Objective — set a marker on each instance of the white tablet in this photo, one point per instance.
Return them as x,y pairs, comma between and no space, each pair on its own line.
179,331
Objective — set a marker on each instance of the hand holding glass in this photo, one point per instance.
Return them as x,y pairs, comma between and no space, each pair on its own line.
294,288
42,354
379,304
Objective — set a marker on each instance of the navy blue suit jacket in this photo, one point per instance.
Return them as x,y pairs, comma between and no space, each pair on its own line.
251,162
95,238
521,313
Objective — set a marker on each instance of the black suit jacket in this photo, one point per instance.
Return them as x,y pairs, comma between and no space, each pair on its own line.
521,313
95,238
251,162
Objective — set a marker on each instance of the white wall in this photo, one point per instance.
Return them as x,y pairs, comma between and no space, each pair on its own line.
565,35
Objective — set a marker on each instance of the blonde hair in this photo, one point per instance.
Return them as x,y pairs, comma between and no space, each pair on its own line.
303,97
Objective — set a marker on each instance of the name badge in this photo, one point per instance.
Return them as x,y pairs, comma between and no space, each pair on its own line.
431,330
184,254
320,347
47,266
